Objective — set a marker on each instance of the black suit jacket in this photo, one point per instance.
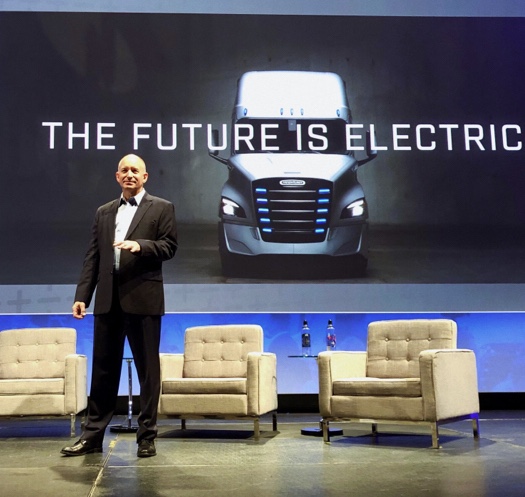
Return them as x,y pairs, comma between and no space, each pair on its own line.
141,287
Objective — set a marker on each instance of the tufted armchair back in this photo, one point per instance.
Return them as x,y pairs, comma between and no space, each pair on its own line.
35,352
394,346
220,351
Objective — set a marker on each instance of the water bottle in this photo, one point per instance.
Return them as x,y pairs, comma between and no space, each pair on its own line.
305,339
330,336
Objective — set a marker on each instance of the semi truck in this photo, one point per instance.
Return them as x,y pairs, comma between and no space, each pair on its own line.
292,188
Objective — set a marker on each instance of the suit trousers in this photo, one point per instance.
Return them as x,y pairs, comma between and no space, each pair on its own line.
110,332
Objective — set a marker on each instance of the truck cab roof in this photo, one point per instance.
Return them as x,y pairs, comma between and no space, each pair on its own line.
291,94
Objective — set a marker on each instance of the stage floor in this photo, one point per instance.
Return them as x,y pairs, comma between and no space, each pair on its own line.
217,459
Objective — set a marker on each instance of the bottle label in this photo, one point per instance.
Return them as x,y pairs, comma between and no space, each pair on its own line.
305,339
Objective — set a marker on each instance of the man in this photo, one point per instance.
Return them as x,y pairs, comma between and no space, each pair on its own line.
131,237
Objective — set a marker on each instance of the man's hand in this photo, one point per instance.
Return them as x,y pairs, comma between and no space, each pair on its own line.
130,245
79,310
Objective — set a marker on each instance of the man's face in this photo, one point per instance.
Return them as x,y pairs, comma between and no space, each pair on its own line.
131,175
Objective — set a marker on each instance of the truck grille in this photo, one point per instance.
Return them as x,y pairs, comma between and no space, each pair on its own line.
293,212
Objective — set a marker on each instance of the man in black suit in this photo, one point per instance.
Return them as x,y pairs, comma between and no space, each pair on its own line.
131,237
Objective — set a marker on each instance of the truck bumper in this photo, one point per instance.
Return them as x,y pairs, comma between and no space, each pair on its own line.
340,241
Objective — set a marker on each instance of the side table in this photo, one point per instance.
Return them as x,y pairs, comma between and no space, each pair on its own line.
127,428
316,432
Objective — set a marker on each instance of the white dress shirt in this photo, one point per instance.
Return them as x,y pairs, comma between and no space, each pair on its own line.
125,214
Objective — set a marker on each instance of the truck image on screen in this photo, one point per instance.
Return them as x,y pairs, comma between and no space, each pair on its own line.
292,189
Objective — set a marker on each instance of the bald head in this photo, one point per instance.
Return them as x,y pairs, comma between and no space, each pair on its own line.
131,175
132,159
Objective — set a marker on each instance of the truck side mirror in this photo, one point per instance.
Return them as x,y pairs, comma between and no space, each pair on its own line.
371,153
214,154
214,141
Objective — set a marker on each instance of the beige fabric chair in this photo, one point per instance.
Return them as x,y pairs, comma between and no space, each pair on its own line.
41,374
411,373
222,374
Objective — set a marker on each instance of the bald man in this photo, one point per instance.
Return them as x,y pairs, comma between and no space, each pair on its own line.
131,237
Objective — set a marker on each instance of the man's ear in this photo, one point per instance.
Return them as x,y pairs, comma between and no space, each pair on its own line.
146,175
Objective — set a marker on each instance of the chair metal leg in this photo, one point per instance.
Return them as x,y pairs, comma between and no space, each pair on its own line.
72,419
475,425
326,431
435,435
274,421
374,429
256,429
182,424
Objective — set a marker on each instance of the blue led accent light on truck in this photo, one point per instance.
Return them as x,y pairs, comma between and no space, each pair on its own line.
293,212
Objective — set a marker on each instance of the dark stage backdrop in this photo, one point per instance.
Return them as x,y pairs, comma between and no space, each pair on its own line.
80,90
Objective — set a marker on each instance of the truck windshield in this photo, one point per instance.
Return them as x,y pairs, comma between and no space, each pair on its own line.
326,136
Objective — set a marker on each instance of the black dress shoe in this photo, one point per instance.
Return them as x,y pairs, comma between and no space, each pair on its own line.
81,448
146,448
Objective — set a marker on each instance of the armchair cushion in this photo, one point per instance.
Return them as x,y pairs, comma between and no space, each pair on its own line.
35,353
401,387
205,386
32,386
394,346
216,352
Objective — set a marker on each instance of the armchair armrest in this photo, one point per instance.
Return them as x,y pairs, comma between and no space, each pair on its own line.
449,383
334,366
75,383
171,366
261,382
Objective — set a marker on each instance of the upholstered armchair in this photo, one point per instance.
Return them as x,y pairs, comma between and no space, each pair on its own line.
41,374
222,374
411,373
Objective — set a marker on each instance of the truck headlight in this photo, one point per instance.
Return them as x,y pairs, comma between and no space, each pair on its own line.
231,208
355,209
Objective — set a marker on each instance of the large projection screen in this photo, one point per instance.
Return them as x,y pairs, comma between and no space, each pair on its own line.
437,87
